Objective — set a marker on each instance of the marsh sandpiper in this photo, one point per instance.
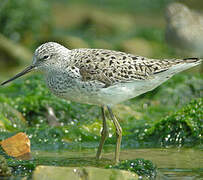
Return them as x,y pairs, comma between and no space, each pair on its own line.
101,77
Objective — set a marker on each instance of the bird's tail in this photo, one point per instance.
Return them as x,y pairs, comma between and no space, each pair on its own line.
186,64
180,65
193,60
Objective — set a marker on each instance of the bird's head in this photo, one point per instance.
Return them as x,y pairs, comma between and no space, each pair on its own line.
46,57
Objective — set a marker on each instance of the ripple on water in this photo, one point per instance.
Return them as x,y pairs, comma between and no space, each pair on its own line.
173,163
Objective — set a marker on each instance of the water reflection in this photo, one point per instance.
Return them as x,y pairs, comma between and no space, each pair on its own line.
173,163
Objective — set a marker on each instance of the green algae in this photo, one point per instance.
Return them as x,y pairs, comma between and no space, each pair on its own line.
182,127
4,169
144,168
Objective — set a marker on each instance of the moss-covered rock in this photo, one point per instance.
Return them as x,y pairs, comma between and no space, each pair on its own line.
10,118
4,169
144,168
182,127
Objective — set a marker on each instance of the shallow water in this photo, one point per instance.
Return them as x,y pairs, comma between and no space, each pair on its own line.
173,163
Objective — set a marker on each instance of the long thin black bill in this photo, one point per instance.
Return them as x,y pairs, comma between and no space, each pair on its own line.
25,71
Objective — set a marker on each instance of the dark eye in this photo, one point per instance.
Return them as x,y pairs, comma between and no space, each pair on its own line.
45,57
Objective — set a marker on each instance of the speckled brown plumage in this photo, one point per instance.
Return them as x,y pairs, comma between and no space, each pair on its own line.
112,67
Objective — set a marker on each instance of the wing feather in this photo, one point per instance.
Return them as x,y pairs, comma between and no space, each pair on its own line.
111,67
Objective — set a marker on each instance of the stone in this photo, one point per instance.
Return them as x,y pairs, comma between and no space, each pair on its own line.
17,145
80,173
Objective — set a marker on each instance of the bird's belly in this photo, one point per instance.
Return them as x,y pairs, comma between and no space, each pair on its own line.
83,96
107,96
95,92
78,91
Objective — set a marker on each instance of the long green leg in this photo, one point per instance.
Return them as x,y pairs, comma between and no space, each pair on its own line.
104,134
118,133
